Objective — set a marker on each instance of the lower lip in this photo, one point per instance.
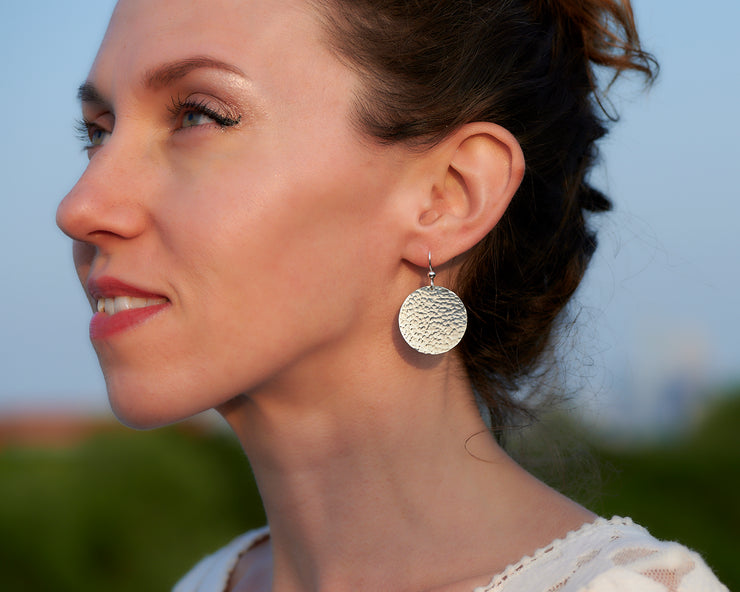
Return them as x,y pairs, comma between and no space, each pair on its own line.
103,326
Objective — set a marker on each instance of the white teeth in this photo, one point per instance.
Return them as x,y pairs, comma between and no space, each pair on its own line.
111,306
126,303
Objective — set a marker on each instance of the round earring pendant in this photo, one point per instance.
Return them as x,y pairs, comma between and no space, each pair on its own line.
432,320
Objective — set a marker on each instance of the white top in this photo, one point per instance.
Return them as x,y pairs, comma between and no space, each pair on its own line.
604,556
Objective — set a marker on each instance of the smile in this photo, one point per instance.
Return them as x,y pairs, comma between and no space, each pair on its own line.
111,306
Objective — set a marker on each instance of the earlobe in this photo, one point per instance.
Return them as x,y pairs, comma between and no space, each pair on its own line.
479,169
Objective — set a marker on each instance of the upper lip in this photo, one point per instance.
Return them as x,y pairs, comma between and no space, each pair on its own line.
109,287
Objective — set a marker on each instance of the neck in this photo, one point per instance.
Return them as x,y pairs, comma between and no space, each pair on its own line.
373,483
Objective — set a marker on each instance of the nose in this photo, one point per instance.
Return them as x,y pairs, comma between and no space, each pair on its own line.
105,205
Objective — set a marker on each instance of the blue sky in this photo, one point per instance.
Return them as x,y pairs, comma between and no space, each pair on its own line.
662,293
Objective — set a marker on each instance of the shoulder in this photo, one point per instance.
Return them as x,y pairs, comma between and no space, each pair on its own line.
609,556
212,573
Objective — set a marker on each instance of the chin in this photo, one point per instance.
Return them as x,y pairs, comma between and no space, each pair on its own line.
139,419
142,409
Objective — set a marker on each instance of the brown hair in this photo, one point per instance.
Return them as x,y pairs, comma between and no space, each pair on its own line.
430,66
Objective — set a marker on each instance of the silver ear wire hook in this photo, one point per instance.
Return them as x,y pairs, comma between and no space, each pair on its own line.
432,319
431,273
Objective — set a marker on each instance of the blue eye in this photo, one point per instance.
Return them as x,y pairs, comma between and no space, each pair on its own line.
194,118
92,135
197,112
98,136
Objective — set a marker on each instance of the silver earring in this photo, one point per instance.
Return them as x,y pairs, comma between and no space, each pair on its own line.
432,319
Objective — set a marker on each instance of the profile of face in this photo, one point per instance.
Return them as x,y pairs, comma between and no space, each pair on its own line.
230,228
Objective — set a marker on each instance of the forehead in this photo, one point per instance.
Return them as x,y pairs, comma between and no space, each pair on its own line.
257,34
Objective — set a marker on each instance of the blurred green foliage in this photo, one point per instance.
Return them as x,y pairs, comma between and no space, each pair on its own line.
122,511
687,491
129,510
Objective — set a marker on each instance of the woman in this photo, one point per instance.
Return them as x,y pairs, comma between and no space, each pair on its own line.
268,182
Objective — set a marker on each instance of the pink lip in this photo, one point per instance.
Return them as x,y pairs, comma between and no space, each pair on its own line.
104,326
108,287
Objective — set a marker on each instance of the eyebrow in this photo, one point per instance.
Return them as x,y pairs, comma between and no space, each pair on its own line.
172,71
161,76
88,93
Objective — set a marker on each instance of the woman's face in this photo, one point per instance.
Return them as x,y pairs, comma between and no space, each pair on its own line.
229,201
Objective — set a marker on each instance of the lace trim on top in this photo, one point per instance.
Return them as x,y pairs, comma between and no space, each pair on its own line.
502,577
607,555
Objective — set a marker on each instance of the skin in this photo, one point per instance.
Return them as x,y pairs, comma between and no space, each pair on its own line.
284,245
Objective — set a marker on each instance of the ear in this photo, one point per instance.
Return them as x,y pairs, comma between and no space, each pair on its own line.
473,176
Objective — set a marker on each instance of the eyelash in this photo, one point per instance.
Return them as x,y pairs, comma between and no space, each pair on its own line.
180,107
85,129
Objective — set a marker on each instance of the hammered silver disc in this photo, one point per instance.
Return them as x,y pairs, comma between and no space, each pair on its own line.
432,320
